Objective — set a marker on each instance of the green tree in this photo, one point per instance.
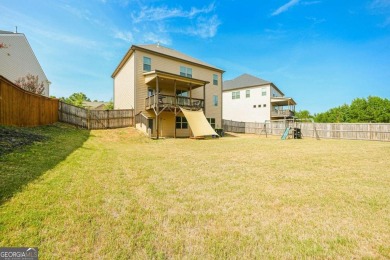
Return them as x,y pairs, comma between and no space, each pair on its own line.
361,110
303,114
76,99
110,105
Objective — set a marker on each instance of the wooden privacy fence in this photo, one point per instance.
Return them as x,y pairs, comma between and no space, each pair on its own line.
95,119
354,131
19,107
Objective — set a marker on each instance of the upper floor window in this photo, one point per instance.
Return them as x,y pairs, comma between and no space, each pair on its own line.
215,100
147,64
215,79
247,93
185,72
263,92
236,95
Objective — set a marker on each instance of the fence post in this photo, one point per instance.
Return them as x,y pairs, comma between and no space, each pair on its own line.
108,119
88,119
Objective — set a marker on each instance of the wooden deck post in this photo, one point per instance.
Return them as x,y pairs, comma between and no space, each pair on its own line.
157,108
204,99
175,105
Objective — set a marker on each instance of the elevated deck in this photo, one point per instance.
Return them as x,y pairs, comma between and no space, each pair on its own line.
168,102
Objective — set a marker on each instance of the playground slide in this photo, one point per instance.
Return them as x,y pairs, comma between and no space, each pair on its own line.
285,134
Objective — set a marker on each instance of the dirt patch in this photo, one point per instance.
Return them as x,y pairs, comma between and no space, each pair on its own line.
13,138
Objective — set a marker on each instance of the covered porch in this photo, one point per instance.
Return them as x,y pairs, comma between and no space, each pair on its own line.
167,92
282,107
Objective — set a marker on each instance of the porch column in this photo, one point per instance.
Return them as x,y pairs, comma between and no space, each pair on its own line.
175,105
157,107
190,96
204,99
190,108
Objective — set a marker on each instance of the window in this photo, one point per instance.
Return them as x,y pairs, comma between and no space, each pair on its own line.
150,92
185,72
182,93
215,100
254,106
236,95
264,105
215,79
211,122
247,93
263,92
258,105
147,64
181,123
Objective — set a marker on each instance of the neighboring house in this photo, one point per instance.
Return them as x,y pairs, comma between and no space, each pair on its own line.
251,99
156,81
95,105
17,59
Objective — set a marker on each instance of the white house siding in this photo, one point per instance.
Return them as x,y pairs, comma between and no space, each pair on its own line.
255,108
17,59
275,92
124,86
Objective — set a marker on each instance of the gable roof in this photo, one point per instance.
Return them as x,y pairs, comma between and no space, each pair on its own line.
165,52
17,58
244,81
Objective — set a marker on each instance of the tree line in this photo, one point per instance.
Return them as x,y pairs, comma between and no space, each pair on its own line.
362,110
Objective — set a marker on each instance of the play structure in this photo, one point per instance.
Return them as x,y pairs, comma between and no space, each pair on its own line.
289,128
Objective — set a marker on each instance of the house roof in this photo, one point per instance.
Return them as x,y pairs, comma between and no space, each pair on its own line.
6,32
247,81
165,52
244,81
94,104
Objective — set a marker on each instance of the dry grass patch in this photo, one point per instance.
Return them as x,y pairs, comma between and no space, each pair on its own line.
124,196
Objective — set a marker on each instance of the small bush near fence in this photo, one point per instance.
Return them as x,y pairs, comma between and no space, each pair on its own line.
95,119
355,131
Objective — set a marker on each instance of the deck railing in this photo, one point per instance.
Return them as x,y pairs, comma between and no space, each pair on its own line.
173,101
282,113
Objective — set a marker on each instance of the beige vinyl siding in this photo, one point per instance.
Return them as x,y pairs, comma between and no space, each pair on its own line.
18,59
124,86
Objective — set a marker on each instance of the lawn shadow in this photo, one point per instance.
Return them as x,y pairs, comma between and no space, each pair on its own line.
25,163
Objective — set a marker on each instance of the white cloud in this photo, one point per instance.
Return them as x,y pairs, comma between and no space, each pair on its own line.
148,14
380,3
125,36
285,7
153,37
205,27
162,21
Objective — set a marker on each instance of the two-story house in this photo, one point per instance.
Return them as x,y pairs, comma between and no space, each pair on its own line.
157,82
251,99
17,59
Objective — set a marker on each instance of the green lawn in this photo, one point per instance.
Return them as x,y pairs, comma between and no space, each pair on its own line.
117,195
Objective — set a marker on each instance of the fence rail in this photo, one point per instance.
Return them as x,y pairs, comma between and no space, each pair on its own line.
19,107
95,119
354,131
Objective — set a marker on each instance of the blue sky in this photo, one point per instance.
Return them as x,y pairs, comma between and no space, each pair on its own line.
323,53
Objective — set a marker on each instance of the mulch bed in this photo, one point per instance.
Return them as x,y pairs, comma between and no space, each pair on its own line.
13,138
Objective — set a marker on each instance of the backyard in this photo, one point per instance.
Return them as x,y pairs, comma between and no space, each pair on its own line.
115,194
